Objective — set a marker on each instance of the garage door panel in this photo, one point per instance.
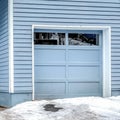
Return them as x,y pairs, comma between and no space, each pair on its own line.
84,88
84,73
83,55
49,56
49,72
51,80
70,67
50,88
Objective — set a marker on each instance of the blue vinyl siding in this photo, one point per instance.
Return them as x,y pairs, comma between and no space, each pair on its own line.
62,12
4,64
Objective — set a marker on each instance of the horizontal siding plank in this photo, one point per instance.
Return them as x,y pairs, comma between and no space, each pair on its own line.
3,84
23,75
115,67
4,53
21,50
68,12
80,16
68,3
116,58
103,1
115,54
117,78
114,42
19,79
23,53
5,72
29,71
24,58
19,62
20,45
116,86
23,23
116,74
23,37
115,50
23,89
2,56
21,67
4,89
4,65
23,84
4,34
65,8
115,63
82,20
25,41
4,48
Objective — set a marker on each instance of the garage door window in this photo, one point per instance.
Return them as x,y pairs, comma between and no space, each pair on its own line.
83,39
57,38
49,38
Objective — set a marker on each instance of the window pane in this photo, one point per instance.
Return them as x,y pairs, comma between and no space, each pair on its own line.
45,38
83,39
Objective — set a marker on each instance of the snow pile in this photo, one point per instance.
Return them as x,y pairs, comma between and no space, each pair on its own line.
86,108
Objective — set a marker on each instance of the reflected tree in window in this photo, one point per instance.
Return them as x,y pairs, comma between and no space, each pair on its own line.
49,38
83,39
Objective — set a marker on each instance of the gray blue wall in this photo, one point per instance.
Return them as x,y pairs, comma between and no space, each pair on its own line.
4,56
6,98
61,12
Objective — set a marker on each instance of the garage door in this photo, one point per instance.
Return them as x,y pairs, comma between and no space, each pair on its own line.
67,64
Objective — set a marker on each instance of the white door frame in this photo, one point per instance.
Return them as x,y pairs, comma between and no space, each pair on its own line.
106,53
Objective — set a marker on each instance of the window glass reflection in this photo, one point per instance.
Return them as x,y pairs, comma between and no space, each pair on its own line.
83,39
51,38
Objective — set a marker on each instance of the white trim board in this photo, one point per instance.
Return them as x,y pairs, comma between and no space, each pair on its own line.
33,81
106,51
11,46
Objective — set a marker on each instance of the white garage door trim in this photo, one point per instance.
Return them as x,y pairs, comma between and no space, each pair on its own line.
106,52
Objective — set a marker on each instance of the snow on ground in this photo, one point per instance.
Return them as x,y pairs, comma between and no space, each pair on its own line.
84,108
